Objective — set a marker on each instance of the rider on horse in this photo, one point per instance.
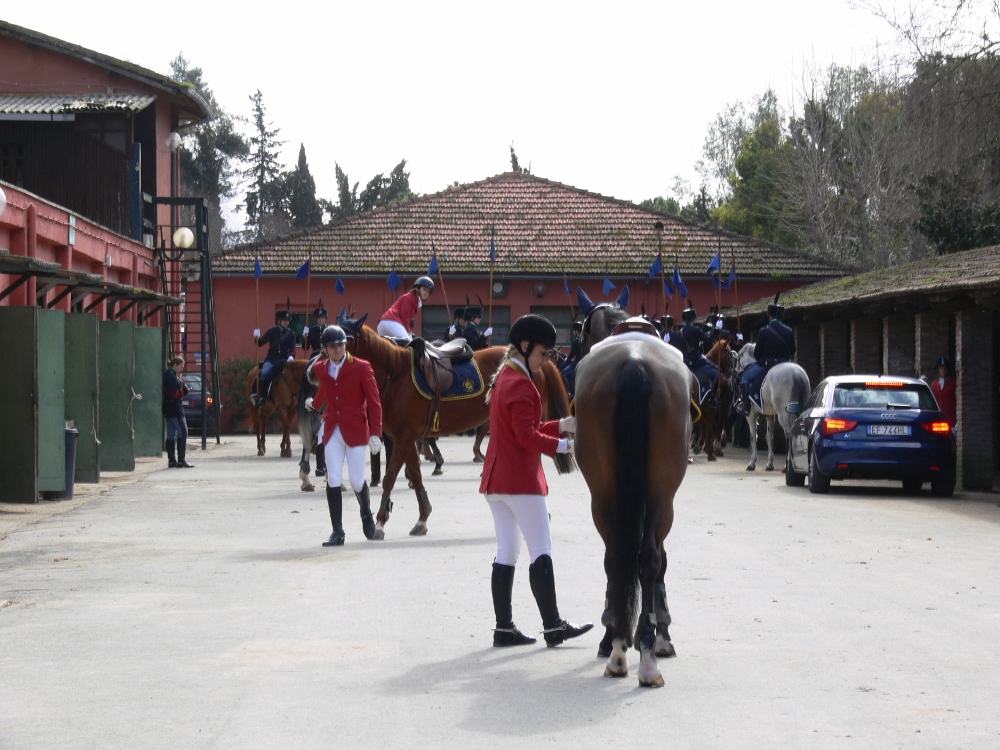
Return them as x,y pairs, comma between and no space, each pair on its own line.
474,316
458,327
694,343
352,424
281,342
311,334
397,321
775,344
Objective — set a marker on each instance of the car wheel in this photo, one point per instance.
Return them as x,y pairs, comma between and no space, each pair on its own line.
792,478
819,483
943,486
912,484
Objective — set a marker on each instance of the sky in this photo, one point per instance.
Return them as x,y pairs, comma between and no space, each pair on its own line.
614,98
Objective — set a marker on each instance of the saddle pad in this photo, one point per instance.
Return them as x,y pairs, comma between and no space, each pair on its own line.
468,382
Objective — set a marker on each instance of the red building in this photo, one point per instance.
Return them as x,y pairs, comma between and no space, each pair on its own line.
548,236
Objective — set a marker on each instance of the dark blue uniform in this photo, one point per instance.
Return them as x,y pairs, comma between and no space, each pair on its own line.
775,344
281,342
473,337
695,342
312,341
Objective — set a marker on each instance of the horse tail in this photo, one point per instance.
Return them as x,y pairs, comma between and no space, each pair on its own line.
556,407
631,435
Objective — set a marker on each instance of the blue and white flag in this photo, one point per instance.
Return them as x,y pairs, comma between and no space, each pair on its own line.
303,271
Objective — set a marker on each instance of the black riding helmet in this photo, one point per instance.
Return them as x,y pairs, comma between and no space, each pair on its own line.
535,330
689,315
668,322
425,281
333,335
459,313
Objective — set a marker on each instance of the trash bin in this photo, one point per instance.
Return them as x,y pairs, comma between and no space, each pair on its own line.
67,494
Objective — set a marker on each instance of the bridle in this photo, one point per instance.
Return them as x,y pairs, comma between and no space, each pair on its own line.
586,321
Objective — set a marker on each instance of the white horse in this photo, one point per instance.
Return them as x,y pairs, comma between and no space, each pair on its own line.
783,395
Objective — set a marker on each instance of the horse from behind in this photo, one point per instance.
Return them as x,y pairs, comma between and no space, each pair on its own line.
282,403
626,386
709,434
784,393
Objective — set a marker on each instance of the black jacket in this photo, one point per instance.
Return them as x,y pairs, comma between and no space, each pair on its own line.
474,338
313,342
281,341
174,391
775,343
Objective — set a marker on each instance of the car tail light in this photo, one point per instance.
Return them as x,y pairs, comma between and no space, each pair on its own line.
830,426
210,401
938,428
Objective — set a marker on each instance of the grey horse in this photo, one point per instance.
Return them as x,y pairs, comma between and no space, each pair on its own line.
309,423
783,395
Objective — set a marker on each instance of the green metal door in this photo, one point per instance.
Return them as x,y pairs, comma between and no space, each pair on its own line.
51,401
18,413
82,392
149,366
116,357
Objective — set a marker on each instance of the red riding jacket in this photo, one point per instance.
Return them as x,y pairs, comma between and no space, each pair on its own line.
404,310
351,400
518,437
946,398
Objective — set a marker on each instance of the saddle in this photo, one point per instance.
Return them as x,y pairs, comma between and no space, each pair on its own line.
636,325
435,362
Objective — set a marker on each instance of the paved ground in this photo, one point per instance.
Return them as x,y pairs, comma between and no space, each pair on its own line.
197,609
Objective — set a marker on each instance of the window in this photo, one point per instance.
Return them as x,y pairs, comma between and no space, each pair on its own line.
864,396
561,318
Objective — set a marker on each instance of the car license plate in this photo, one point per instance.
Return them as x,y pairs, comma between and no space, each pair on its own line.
888,429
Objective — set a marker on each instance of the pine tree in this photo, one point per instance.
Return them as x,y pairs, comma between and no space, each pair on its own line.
347,197
303,206
266,202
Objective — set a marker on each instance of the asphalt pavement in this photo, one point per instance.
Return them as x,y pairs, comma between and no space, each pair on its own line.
197,609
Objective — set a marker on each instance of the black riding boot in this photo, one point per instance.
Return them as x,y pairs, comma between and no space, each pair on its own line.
181,452
367,522
335,501
543,586
506,632
171,456
320,460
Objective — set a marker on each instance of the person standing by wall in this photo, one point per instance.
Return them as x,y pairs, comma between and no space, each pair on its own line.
944,390
174,392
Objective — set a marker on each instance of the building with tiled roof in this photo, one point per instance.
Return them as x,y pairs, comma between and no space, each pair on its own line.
548,237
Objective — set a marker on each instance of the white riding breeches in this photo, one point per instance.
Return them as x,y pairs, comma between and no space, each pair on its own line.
393,328
336,450
515,516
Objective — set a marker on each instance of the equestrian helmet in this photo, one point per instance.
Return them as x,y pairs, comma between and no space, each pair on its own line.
333,335
535,330
281,315
321,312
689,315
459,313
776,311
942,362
424,281
668,322
473,311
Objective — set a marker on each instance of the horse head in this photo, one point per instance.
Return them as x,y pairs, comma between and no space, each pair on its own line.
352,326
746,356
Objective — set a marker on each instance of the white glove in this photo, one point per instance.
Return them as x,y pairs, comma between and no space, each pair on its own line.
718,324
739,336
489,332
567,424
374,444
565,446
290,357
452,330
309,404
256,333
305,332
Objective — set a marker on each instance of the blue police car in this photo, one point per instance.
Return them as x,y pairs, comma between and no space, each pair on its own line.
872,427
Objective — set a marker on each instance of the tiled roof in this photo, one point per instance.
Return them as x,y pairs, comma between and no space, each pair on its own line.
47,104
944,275
542,227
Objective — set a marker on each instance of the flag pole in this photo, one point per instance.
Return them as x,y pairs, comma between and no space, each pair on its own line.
736,290
572,311
492,262
444,293
309,273
256,325
658,228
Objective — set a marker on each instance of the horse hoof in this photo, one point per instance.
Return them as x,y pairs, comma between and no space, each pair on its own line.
664,649
768,468
286,454
420,529
260,452
751,468
477,459
655,682
720,454
437,472
308,488
375,483
712,458
379,532
609,673
696,450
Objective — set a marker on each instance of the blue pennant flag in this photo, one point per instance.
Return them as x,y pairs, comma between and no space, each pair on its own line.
339,286
565,285
608,286
493,251
679,282
657,266
303,271
434,267
257,270
393,280
715,265
732,274
667,289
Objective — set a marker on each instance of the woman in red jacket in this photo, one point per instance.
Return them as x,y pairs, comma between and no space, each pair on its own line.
514,483
396,320
944,390
352,424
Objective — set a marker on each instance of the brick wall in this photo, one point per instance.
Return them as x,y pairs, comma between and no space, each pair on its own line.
899,345
866,346
931,340
835,348
807,351
974,366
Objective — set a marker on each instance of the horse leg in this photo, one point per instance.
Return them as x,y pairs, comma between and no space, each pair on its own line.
615,643
394,462
770,444
481,432
752,426
708,430
286,437
438,458
645,633
307,486
423,504
664,648
262,416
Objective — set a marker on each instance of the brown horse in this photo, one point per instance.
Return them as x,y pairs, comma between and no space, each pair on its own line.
283,402
709,433
406,413
627,385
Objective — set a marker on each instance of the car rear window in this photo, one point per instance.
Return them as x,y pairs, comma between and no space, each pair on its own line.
881,396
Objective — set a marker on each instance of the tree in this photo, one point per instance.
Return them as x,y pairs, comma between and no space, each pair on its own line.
304,208
210,154
347,197
953,214
515,166
265,202
383,191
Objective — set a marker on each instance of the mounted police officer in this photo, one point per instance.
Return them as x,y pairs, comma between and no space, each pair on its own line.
775,344
311,334
695,341
457,326
281,342
474,316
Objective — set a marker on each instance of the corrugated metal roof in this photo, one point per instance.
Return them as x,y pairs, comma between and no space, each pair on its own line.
55,104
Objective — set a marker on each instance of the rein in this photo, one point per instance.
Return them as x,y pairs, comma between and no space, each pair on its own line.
585,332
